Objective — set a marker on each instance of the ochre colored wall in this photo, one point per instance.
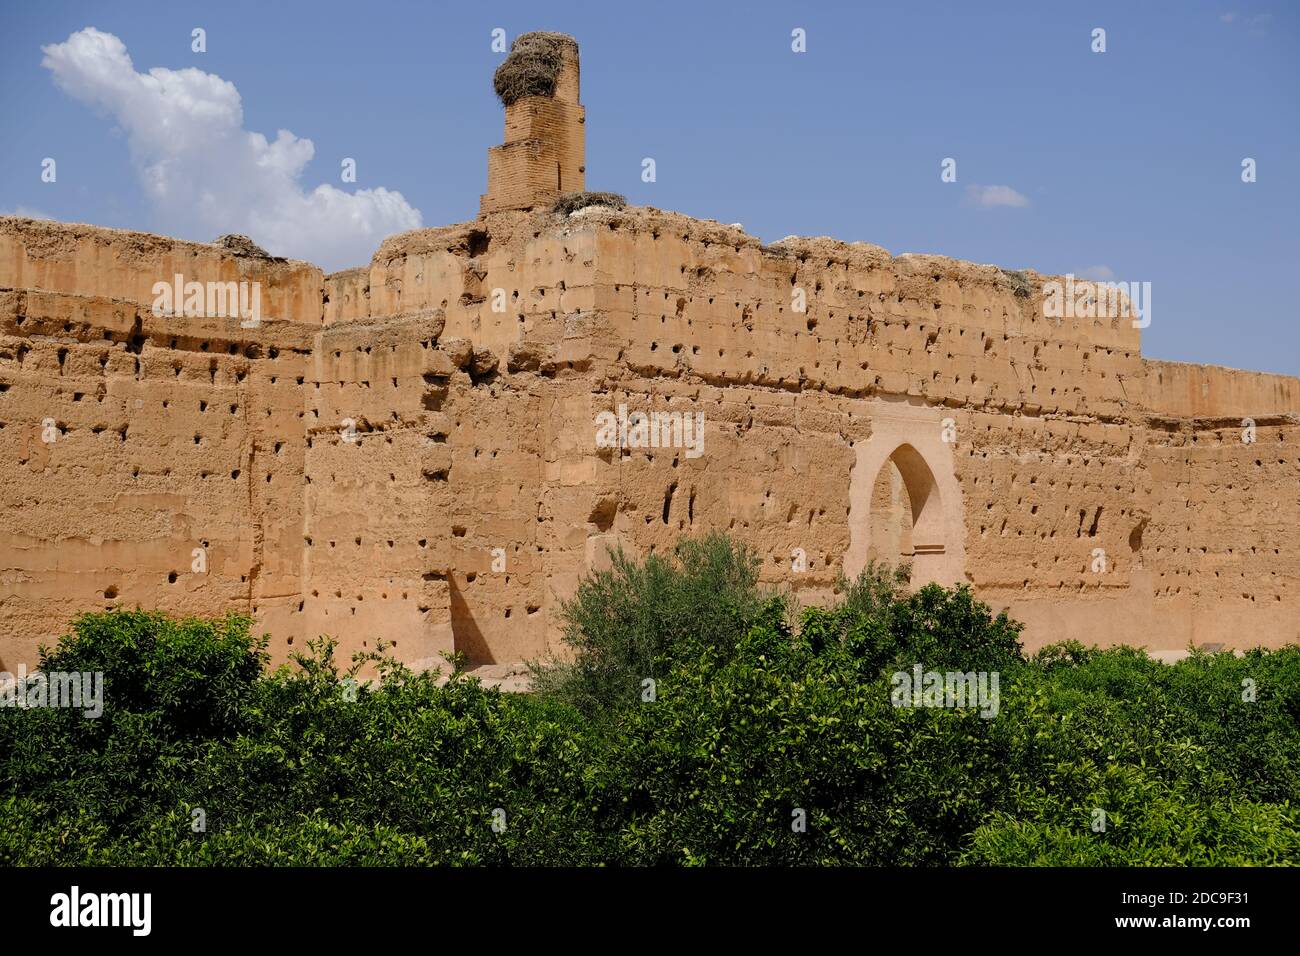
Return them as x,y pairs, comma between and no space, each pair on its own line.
469,495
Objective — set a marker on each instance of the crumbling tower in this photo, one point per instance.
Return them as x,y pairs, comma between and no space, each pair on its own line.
544,153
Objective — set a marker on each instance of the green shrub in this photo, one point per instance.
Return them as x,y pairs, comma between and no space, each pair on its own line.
738,749
888,629
170,688
625,621
1157,829
769,739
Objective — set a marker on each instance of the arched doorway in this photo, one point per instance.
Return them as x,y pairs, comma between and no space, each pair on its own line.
906,516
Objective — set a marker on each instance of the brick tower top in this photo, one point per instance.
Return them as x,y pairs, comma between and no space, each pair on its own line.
544,153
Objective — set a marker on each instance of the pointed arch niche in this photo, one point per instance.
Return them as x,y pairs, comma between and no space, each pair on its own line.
905,502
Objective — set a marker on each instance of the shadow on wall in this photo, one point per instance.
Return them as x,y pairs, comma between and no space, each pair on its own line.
466,637
907,522
891,518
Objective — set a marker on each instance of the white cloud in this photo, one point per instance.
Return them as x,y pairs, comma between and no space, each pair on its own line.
987,197
207,175
1254,20
1097,273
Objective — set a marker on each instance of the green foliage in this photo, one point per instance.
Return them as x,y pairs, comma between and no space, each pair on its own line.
885,627
623,621
408,771
195,678
771,739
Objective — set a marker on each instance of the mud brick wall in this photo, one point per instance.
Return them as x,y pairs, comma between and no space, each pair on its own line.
123,265
375,501
407,451
144,461
544,152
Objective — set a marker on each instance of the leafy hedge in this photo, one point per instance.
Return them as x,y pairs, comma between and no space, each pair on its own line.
700,720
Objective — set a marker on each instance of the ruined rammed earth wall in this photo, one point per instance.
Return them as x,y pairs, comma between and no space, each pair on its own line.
183,463
413,452
1051,481
143,460
515,301
1078,508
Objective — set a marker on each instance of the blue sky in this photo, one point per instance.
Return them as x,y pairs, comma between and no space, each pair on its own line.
1127,161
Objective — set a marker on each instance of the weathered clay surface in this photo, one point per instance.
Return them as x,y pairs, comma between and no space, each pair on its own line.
410,451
